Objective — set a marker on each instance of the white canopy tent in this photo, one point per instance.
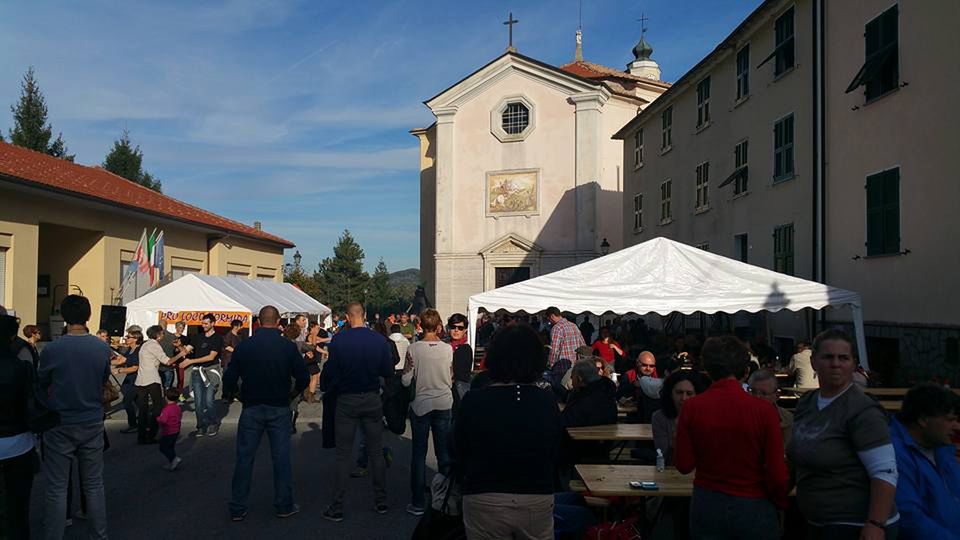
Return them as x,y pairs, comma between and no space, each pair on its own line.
663,276
216,294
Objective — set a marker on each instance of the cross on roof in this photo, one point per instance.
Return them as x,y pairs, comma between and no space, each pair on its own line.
510,22
643,23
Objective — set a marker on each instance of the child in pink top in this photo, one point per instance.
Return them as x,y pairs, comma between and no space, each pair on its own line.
169,421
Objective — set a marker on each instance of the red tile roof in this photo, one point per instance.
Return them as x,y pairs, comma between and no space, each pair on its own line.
41,170
589,70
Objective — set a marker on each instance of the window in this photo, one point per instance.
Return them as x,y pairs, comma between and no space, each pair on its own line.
743,72
515,118
740,247
740,162
666,133
784,54
264,277
666,213
783,249
638,148
880,72
783,148
703,102
178,272
237,274
704,246
883,213
638,212
703,178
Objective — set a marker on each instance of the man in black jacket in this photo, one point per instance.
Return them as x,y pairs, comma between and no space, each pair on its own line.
593,402
265,363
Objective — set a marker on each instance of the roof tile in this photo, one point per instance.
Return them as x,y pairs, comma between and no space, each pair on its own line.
97,183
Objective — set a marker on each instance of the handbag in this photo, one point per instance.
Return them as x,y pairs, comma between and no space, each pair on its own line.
108,394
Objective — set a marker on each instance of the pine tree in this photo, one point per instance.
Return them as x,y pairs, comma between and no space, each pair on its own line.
126,160
341,278
380,294
30,127
296,276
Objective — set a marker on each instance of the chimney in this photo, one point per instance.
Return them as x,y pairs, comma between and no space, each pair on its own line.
257,225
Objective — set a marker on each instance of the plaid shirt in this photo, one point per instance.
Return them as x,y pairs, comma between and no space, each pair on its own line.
565,338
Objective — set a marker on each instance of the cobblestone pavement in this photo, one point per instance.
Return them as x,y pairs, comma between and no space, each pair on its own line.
146,502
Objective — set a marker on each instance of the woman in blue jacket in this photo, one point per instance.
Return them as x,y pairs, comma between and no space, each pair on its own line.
928,489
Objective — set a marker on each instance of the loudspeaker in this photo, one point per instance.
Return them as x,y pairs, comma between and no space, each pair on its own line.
112,319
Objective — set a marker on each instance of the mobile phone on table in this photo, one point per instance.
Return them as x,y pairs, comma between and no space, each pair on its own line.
649,486
636,485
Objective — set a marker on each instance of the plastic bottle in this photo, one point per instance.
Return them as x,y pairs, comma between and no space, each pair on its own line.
661,463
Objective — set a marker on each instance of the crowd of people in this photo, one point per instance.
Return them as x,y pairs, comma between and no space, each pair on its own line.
504,460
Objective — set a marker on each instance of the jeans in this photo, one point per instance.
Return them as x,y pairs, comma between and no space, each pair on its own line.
571,516
439,423
718,516
16,481
364,410
168,445
203,400
150,403
129,392
254,421
60,445
166,378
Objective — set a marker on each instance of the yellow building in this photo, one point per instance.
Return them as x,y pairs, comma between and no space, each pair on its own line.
67,228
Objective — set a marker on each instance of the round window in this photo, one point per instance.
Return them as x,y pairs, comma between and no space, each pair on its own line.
515,118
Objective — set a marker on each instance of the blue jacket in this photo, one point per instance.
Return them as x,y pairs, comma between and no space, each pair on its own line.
928,498
267,363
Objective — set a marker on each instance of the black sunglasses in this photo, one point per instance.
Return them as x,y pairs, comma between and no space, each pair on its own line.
458,327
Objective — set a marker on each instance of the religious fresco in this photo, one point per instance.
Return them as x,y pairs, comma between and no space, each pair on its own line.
513,193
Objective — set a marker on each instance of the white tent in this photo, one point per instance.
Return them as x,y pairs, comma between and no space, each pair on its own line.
662,276
216,294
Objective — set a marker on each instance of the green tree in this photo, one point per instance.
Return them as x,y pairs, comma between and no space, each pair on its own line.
30,127
379,293
341,278
126,160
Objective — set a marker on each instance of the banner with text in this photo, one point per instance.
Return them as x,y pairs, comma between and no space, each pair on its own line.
193,318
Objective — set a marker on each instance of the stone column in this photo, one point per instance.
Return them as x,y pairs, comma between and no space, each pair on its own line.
587,179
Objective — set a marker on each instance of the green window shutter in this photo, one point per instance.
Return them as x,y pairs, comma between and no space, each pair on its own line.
875,214
891,211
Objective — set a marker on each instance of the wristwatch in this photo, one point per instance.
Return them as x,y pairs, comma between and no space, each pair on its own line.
877,524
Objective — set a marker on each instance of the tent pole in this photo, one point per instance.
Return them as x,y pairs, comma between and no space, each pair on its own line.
861,338
473,314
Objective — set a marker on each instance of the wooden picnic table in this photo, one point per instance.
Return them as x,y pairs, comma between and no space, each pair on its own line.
614,481
623,409
612,432
892,406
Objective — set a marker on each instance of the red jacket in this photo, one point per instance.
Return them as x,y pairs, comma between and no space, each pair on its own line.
733,441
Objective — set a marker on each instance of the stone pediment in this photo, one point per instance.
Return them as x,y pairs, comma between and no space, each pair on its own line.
511,244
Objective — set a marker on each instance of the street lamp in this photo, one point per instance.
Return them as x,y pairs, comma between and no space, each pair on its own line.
296,259
605,247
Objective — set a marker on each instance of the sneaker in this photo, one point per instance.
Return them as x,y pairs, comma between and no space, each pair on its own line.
212,431
330,514
172,466
200,433
238,517
414,510
381,508
293,511
388,456
359,472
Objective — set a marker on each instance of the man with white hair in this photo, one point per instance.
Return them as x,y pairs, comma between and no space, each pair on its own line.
763,384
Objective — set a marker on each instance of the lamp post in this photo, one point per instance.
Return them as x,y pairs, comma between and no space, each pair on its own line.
604,247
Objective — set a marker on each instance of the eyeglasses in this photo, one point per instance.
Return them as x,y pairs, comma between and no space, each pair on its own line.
458,327
648,365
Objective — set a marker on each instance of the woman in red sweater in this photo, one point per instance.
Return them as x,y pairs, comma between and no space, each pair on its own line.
733,441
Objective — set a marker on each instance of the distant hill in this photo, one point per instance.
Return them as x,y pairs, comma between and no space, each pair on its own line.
410,276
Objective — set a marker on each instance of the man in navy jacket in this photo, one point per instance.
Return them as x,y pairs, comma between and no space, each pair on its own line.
928,489
272,372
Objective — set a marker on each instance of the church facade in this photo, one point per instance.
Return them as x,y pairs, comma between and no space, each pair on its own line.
519,175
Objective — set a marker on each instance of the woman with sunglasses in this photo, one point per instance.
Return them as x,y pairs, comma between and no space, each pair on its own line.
462,355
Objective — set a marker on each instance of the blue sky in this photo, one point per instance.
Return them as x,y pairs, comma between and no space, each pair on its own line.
297,113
